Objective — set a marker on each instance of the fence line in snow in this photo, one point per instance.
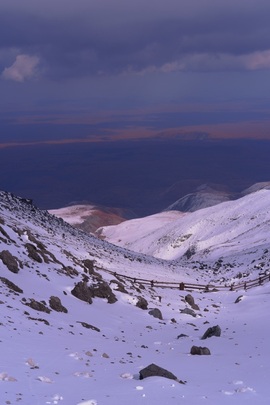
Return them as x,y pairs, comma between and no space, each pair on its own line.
245,285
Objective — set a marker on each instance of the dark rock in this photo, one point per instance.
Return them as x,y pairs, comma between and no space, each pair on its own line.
38,306
239,299
188,311
10,261
156,313
90,268
182,336
197,350
212,331
11,285
142,303
88,326
56,304
32,253
190,300
39,320
155,371
82,292
103,290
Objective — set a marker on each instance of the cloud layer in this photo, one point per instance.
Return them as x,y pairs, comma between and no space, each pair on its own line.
101,37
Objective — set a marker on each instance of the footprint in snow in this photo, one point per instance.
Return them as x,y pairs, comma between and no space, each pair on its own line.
6,377
240,388
55,399
44,379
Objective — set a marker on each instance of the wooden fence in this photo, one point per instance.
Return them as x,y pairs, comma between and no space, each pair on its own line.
244,285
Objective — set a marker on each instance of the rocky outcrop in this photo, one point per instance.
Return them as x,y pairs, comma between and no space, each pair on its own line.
33,253
56,304
142,303
82,292
38,306
12,262
102,290
11,285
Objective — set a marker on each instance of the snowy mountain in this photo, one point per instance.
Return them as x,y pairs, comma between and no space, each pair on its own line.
203,197
76,325
231,234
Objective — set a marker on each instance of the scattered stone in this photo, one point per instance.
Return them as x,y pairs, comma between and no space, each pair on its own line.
197,350
39,320
190,300
156,313
105,355
188,311
239,299
142,303
212,331
11,285
10,261
56,304
82,292
155,371
38,306
182,335
88,326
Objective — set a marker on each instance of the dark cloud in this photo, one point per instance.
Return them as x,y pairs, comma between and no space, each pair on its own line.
75,38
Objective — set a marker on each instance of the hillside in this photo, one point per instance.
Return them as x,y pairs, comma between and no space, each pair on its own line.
89,217
74,332
230,234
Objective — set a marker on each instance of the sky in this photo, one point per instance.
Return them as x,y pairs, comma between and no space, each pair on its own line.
98,70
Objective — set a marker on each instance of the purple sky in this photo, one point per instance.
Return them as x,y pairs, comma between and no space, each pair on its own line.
96,69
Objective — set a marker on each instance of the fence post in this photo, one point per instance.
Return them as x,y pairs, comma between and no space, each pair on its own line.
152,283
181,286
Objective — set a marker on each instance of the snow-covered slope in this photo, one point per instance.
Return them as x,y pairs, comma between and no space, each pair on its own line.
58,348
234,233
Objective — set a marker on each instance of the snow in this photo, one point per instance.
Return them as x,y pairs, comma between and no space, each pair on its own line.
65,363
75,214
229,230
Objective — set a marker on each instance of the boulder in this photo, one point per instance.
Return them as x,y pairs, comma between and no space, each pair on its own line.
56,304
190,300
142,303
155,371
156,313
212,331
188,311
197,350
102,290
82,292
